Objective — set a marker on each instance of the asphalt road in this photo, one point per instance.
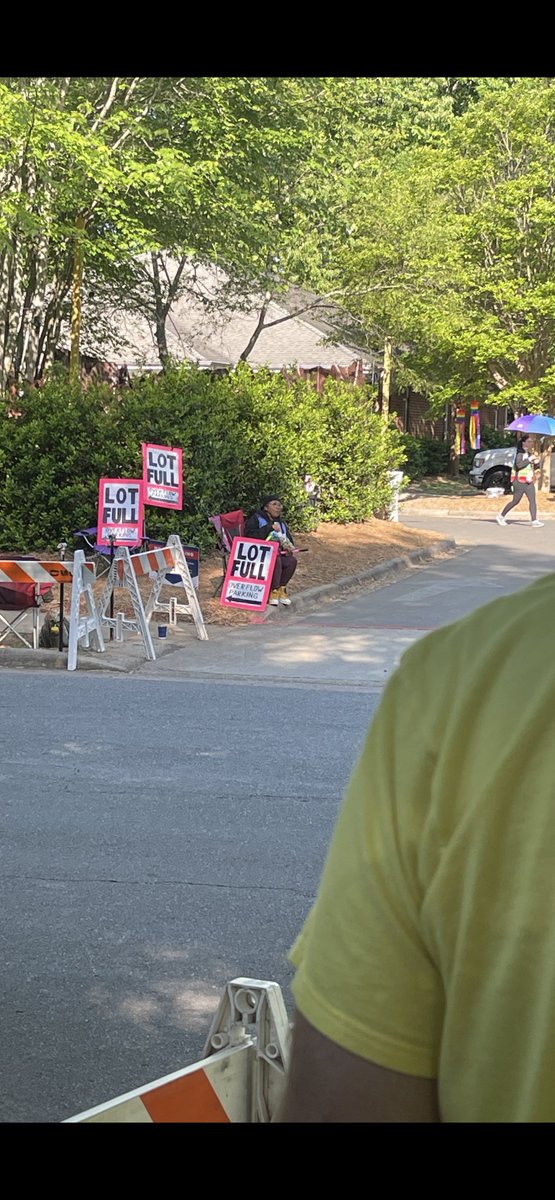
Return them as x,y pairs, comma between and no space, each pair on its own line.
159,838
163,834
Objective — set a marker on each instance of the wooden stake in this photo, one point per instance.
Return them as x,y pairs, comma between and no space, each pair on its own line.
386,384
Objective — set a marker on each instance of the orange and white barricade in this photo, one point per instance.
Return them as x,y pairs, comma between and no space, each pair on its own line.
81,575
21,597
191,607
126,569
240,1079
30,570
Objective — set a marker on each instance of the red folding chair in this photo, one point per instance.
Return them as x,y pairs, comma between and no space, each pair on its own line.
227,526
18,598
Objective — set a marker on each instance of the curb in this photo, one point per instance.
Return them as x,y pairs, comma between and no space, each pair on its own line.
53,660
87,660
12,656
390,567
483,512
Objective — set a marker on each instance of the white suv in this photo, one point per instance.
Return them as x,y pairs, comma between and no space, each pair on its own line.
492,468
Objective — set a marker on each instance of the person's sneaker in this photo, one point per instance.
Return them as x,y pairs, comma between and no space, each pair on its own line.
537,523
274,597
283,597
500,519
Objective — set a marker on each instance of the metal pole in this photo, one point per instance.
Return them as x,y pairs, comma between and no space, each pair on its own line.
111,537
62,547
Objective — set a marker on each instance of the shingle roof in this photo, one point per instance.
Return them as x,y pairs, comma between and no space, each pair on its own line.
212,338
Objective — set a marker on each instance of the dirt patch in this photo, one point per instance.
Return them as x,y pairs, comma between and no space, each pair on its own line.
441,485
334,551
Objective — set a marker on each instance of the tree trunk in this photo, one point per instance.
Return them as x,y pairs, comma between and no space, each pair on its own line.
161,312
544,478
454,460
52,341
44,333
38,313
257,331
74,355
25,320
13,309
24,287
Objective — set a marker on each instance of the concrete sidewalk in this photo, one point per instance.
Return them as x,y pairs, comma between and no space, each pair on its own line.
275,650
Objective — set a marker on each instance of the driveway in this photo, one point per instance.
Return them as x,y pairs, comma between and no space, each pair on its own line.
357,640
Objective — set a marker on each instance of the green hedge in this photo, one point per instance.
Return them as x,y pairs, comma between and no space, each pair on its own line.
425,456
242,434
429,456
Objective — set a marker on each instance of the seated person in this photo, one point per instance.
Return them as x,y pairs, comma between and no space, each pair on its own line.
266,524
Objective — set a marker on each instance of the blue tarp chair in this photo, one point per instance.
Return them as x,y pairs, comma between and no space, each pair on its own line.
101,553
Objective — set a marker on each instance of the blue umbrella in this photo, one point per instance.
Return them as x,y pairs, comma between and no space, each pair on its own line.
534,423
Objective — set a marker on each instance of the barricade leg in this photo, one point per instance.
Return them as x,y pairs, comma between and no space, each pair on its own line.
122,574
81,628
192,607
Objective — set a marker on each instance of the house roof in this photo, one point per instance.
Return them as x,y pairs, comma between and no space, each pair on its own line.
202,329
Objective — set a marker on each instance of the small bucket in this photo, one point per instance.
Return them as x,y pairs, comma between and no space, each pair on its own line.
162,631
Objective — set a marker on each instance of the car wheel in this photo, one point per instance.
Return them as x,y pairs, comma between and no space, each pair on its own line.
498,477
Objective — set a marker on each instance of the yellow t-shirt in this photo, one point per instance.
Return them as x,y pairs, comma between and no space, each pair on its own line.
431,946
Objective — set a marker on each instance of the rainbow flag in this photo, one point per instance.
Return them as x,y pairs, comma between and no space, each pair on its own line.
460,442
474,424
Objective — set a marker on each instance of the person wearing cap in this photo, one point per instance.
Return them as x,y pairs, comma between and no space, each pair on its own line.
266,523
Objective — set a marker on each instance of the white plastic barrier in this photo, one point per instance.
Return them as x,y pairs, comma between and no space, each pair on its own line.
240,1078
395,480
127,568
172,607
83,628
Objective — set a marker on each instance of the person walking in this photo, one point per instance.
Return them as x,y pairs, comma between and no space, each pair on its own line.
522,478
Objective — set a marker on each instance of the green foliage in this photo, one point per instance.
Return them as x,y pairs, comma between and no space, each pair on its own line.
51,458
425,456
242,434
216,168
450,249
356,453
492,439
246,172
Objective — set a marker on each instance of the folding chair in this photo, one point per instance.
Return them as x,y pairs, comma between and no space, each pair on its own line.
19,598
227,526
101,554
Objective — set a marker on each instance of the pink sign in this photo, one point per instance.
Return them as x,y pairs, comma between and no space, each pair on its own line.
249,574
162,476
120,512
